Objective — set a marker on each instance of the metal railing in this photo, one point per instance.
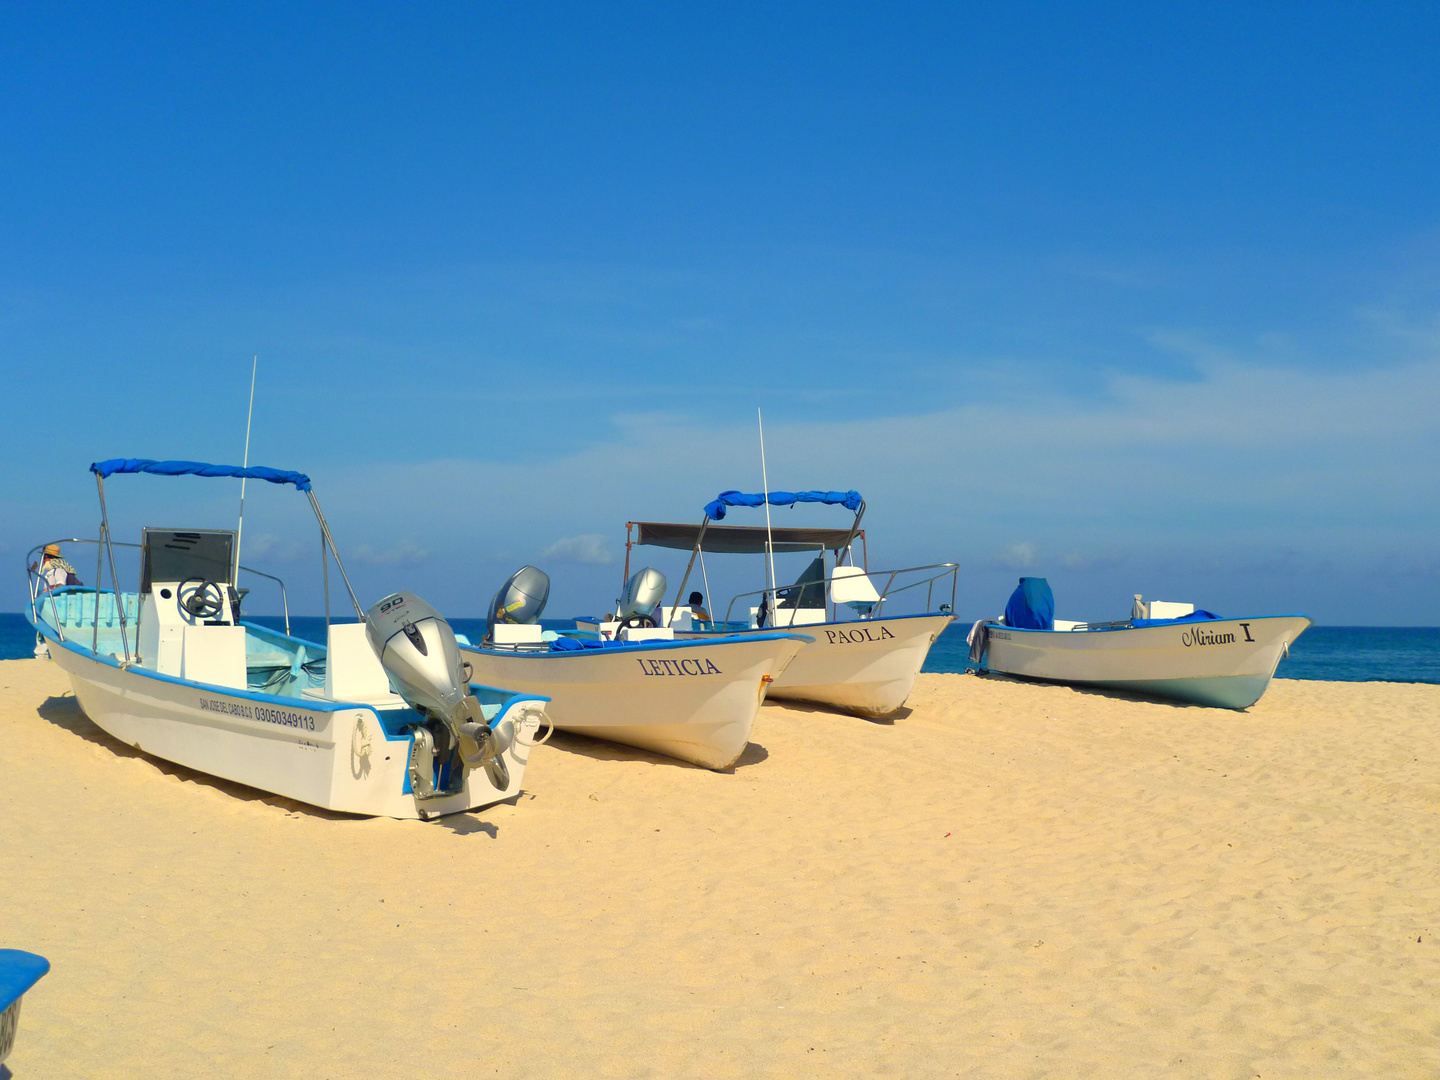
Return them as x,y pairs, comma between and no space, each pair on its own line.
948,569
37,586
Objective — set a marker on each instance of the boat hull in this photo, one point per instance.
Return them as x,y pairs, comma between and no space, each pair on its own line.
333,755
866,667
1227,663
695,701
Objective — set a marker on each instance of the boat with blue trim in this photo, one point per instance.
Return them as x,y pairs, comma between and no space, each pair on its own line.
861,659
691,700
380,720
1164,650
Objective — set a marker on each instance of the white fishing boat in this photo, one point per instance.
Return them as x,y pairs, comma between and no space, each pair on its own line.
862,659
1164,650
380,720
691,700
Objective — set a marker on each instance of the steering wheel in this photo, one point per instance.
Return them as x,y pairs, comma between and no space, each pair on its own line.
636,622
200,597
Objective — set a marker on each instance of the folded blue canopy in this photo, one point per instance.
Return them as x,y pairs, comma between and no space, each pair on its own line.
1194,616
103,469
715,511
570,644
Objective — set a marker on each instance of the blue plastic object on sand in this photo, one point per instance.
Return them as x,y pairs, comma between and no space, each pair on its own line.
19,971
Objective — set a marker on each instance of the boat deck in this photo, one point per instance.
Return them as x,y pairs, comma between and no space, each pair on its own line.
275,663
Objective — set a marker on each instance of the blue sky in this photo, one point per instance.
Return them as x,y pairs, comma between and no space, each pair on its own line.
1135,297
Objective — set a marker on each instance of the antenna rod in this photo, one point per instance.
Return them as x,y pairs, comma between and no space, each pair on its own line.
240,529
769,539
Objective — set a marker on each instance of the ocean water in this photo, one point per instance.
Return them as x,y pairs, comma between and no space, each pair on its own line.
1339,653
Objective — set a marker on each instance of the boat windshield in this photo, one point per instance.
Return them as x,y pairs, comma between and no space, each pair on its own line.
173,555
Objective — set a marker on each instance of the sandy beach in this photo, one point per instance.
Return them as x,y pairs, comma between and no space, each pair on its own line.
1009,881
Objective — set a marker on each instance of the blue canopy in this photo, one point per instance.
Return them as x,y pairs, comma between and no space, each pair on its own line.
198,468
715,511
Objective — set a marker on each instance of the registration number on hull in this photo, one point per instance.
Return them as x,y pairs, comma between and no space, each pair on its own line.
268,714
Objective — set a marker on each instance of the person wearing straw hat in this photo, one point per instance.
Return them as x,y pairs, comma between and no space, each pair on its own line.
54,570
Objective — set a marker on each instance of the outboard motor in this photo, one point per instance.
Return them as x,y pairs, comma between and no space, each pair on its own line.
520,600
418,651
643,594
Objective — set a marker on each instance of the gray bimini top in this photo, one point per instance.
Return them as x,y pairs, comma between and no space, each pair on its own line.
739,539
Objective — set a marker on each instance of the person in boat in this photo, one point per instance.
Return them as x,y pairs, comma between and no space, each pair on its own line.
55,571
697,607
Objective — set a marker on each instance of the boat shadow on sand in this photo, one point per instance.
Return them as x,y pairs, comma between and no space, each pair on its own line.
902,713
1111,693
602,750
64,712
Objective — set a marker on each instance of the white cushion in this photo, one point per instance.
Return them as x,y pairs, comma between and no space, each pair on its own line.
851,585
1161,609
518,634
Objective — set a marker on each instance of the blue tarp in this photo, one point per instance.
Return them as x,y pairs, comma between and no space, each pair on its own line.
198,468
570,644
1031,606
715,511
1194,616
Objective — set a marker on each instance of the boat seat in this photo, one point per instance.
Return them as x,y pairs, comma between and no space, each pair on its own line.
851,586
517,634
353,671
788,616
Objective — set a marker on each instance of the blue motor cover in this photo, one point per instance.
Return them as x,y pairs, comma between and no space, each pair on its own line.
1031,606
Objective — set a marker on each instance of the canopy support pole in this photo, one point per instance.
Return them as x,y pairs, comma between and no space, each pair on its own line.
114,581
99,571
854,531
625,574
699,540
325,576
769,541
706,576
245,464
326,538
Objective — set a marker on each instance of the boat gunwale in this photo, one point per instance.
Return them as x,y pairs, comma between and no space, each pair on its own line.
642,646
315,704
836,622
991,623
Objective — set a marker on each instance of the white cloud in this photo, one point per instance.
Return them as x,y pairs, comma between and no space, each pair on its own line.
1080,560
406,551
1204,475
588,550
1240,453
1018,556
